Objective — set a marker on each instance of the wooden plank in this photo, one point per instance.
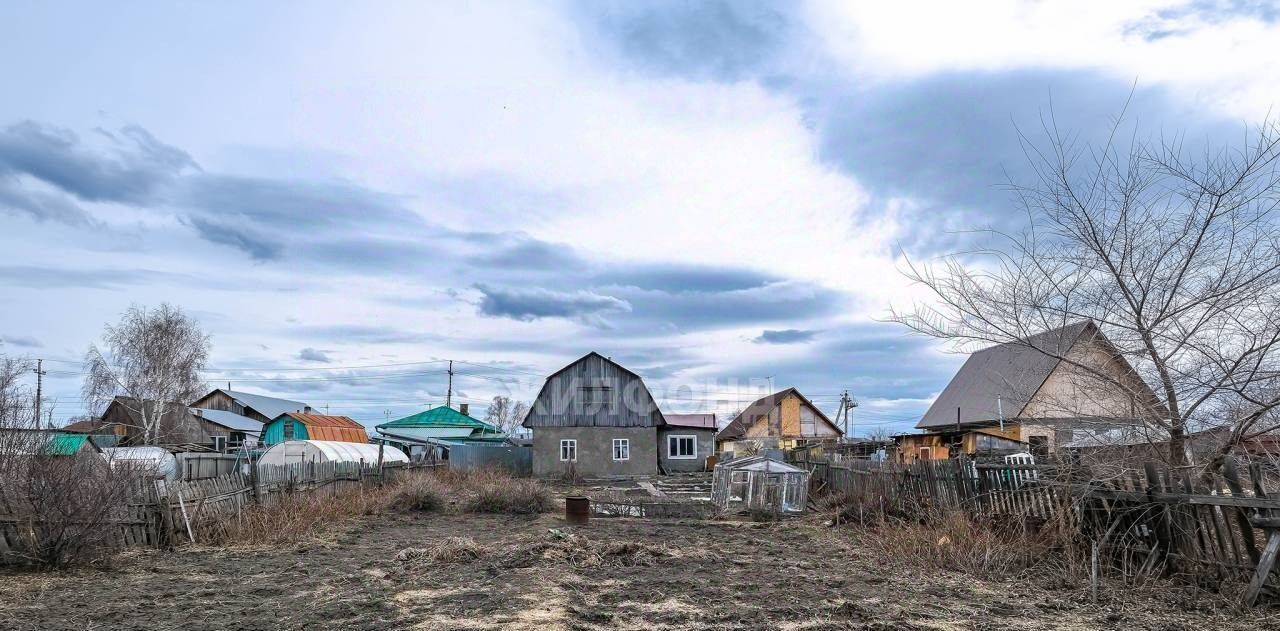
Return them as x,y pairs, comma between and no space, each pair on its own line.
1265,562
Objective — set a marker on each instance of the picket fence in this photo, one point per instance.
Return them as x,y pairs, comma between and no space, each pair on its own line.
1156,520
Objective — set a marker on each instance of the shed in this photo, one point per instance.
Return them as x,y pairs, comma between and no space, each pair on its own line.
63,444
295,451
259,407
758,483
303,426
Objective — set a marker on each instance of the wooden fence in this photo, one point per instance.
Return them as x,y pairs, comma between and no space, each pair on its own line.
157,512
1156,520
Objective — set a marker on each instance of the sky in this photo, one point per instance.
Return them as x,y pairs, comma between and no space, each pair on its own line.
721,196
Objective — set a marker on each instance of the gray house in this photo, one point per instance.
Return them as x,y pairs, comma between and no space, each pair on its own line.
594,418
685,441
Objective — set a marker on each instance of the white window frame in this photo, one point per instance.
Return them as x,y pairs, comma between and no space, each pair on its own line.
568,446
625,451
219,442
674,439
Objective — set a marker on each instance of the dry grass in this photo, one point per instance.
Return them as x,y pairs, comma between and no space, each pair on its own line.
952,541
417,491
293,517
447,550
579,551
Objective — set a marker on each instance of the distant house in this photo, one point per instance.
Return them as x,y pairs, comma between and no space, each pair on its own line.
685,441
596,419
304,426
259,407
438,428
784,419
242,431
179,426
1033,395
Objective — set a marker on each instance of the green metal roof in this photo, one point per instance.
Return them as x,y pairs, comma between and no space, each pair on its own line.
66,444
442,416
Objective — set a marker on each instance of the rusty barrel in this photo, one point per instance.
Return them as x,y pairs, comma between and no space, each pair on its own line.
577,510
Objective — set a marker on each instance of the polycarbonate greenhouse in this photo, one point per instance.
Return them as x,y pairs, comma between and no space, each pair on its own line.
758,483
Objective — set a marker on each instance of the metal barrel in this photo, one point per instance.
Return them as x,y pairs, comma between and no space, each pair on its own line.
577,510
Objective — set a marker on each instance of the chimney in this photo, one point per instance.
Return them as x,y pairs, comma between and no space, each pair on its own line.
464,408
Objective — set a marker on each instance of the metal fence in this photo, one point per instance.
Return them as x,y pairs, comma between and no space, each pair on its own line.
517,460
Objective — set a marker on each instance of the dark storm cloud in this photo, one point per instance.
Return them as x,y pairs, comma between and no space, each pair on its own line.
258,248
718,39
784,336
132,168
528,304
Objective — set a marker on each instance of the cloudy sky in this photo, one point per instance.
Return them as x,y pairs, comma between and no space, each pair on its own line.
717,194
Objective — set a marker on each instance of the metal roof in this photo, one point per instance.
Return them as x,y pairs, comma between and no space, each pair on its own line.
230,420
1002,376
697,421
442,416
269,407
61,444
323,427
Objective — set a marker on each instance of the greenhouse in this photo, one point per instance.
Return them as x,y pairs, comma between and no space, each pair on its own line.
295,451
757,483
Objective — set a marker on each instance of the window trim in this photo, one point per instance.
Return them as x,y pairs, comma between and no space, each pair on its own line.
675,439
220,438
572,443
626,444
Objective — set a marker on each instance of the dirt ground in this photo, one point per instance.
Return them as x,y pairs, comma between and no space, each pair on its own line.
402,572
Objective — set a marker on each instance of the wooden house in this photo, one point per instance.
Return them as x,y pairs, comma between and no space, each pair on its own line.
1032,395
302,426
259,407
784,420
178,426
594,418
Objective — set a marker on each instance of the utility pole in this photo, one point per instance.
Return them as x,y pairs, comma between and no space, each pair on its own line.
39,371
847,403
448,397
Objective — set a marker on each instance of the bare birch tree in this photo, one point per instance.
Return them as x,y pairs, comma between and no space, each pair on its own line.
505,414
1173,253
153,357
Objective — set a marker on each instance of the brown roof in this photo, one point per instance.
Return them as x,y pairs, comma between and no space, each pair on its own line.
326,427
697,421
762,406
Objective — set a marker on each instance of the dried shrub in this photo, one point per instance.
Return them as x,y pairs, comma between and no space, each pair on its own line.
507,495
422,492
292,517
953,541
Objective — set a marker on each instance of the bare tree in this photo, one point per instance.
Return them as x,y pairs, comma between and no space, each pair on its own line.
506,414
1173,253
153,357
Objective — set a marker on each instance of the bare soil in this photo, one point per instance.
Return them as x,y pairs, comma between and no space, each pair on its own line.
403,572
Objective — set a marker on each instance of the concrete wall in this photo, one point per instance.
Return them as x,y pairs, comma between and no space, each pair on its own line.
595,451
706,445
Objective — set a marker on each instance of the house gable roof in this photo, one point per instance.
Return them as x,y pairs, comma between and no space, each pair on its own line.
229,420
761,407
442,416
657,412
1002,379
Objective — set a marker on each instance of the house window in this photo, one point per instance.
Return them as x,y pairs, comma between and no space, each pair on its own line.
682,446
288,429
219,443
568,450
622,449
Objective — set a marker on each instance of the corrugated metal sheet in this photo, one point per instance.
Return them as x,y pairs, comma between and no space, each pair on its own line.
270,407
231,420
338,428
442,416
517,460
